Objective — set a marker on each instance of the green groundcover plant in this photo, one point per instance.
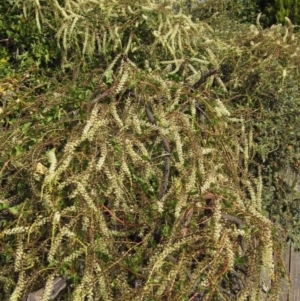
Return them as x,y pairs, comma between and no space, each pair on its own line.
149,164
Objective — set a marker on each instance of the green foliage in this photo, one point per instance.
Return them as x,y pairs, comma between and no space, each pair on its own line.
242,11
277,10
246,11
266,91
21,39
109,175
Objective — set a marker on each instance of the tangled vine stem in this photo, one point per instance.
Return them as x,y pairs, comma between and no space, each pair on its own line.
203,78
166,146
200,107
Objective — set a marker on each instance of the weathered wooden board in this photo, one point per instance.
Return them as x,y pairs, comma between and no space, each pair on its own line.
284,287
295,275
